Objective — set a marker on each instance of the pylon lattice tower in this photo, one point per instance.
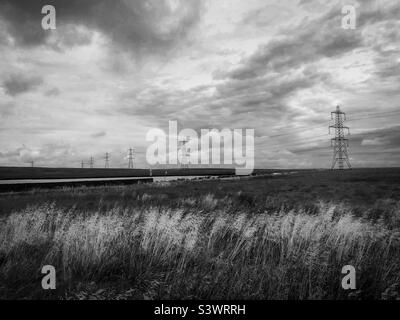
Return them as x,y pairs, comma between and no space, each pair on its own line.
131,158
184,152
107,161
339,143
91,162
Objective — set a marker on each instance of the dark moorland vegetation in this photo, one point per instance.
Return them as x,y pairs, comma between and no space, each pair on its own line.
76,173
264,237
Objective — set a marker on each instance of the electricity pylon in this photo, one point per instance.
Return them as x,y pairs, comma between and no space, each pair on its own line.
131,158
184,158
339,143
91,162
107,159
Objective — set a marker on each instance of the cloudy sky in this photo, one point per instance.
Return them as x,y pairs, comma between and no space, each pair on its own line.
112,70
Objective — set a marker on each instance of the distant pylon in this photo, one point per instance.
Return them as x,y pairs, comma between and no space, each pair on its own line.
131,158
184,152
82,164
339,143
91,162
107,159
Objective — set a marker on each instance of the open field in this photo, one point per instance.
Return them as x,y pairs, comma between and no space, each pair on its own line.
20,179
279,237
77,173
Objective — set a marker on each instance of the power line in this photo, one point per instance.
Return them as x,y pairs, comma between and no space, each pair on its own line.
295,142
300,129
308,128
377,115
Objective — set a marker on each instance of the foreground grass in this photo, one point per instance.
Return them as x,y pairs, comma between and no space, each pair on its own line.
199,248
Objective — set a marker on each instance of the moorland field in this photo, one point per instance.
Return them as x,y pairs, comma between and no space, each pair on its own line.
265,237
77,173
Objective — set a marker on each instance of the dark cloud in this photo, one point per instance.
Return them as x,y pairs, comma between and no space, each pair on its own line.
266,16
53,92
43,154
68,36
134,24
6,109
99,134
11,153
385,43
223,105
313,40
373,11
17,84
262,85
305,2
309,42
387,137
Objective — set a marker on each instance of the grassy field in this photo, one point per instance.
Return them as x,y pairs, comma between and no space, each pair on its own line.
71,173
279,237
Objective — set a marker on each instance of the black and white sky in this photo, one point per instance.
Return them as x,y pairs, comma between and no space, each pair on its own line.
112,70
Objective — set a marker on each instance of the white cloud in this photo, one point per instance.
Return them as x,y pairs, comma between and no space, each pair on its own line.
372,142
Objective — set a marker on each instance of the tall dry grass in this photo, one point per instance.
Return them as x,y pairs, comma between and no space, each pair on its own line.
196,251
